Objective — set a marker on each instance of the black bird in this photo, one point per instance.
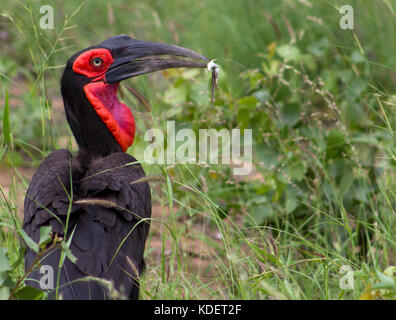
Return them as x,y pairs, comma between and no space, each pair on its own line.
89,199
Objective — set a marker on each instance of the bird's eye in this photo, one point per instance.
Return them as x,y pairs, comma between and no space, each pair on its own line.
96,62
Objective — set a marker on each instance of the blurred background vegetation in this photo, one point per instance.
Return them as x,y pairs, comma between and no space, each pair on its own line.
319,99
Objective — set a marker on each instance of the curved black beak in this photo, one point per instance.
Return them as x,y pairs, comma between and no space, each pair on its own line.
135,57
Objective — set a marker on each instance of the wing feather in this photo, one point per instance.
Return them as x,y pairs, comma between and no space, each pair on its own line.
108,241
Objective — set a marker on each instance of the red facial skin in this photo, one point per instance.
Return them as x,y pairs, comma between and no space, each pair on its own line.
83,64
103,96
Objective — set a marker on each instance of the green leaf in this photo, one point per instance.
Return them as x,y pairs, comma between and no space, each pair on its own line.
190,74
357,86
266,154
6,280
281,93
4,262
67,254
261,213
4,293
357,57
272,68
29,293
291,113
262,95
174,111
21,257
200,94
3,277
386,282
365,138
346,181
289,53
45,236
29,241
295,171
14,158
361,194
291,200
390,271
319,48
243,118
249,103
345,75
269,256
257,201
177,94
6,121
335,143
5,267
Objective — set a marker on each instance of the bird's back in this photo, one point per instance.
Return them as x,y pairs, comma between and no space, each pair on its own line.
104,207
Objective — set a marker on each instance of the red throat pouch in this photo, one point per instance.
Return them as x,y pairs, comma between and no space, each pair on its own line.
116,115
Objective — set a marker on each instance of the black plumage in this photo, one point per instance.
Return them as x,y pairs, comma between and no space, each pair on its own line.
97,201
106,232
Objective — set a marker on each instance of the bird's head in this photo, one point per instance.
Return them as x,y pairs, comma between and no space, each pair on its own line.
99,121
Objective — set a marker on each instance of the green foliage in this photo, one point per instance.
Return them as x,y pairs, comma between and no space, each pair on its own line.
321,105
5,279
6,121
381,285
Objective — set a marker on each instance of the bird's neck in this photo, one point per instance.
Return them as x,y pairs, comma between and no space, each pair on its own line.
99,122
84,159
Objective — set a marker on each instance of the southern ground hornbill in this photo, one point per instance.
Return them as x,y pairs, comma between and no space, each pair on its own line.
89,199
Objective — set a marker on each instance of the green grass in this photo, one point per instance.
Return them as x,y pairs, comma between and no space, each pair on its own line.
321,103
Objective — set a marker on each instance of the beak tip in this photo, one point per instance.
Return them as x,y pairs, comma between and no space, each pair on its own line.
136,57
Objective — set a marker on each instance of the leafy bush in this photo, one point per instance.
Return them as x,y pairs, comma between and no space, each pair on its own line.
320,103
